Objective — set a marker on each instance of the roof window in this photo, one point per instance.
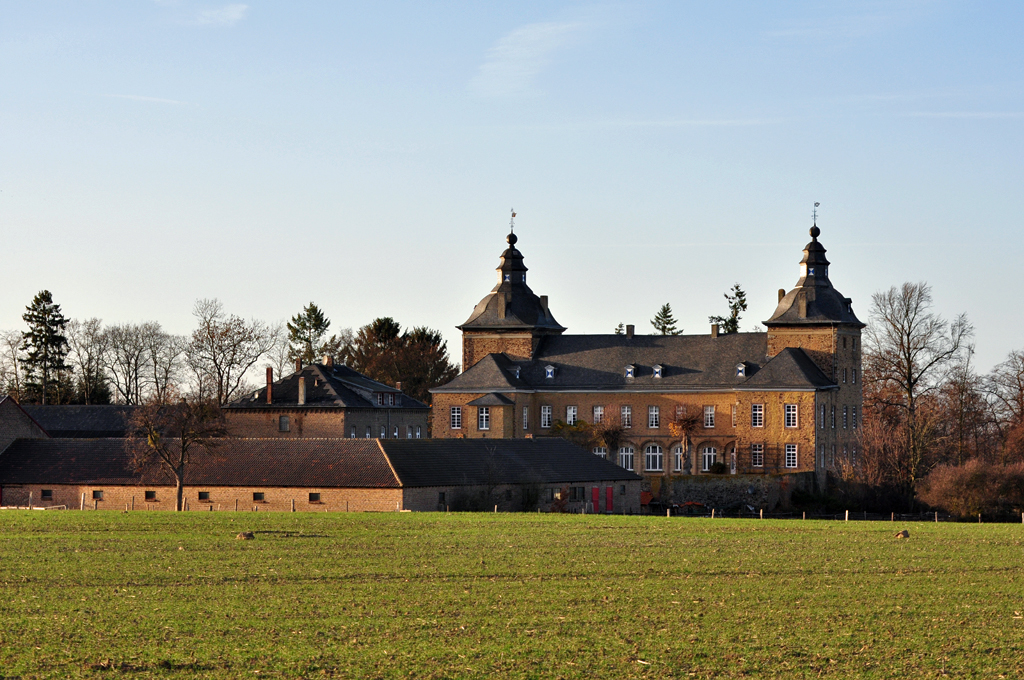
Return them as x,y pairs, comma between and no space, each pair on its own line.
549,371
741,370
630,371
657,370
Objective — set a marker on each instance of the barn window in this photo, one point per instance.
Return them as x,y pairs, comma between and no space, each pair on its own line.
314,497
204,495
151,495
284,424
47,494
257,496
97,495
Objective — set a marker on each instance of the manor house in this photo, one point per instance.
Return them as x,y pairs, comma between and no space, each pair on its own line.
779,402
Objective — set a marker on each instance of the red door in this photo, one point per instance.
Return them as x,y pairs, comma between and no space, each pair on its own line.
609,497
595,494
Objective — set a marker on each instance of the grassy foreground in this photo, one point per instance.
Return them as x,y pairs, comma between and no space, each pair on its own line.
105,594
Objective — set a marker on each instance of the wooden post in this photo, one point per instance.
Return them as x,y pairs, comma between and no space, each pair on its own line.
847,516
126,507
83,501
936,516
667,511
293,505
236,505
495,508
346,506
979,518
893,518
95,503
805,514
712,513
762,513
133,502
29,500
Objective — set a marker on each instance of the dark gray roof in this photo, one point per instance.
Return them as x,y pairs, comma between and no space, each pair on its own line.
82,421
491,399
814,301
334,386
598,363
315,463
789,369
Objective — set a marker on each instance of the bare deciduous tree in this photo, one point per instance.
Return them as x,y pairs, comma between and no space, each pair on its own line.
126,359
10,362
88,345
1006,385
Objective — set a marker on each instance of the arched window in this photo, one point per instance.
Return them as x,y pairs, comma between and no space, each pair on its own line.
709,456
626,457
678,451
653,458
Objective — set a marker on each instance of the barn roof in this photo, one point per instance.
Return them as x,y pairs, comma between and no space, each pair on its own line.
104,420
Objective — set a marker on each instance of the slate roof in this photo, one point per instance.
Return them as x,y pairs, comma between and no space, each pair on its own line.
315,463
491,399
334,386
107,420
597,363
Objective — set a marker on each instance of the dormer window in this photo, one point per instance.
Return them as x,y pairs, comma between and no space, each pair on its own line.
549,371
508,277
741,370
631,371
657,370
380,399
515,371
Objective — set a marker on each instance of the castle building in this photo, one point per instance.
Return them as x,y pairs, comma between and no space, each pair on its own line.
784,401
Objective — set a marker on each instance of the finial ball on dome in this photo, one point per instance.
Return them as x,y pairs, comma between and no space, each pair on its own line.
815,231
512,238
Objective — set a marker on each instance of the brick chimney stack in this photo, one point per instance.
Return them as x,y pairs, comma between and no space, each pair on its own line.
298,365
328,360
629,331
302,390
270,385
714,330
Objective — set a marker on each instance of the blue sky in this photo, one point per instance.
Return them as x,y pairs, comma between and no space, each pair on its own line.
365,156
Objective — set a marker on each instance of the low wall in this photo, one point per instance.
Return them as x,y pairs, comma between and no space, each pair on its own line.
724,491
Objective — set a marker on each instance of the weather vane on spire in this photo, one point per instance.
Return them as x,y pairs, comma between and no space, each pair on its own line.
512,221
814,213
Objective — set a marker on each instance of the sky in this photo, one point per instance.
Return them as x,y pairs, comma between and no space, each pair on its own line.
366,156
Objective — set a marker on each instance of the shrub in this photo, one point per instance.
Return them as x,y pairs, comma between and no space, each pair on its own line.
718,468
973,488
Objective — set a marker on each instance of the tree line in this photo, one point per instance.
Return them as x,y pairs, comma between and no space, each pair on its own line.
57,360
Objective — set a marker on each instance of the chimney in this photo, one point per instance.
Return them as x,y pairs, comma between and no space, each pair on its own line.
270,385
629,331
302,390
328,360
714,330
544,304
782,294
298,365
502,302
398,385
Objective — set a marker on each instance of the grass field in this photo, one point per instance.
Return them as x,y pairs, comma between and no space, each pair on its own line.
105,594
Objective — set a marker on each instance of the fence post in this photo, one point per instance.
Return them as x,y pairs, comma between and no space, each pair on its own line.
236,505
847,516
762,513
936,516
495,508
83,501
29,500
133,503
805,514
893,518
293,505
712,513
95,503
979,518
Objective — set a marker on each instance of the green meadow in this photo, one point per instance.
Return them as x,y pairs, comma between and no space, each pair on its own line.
110,594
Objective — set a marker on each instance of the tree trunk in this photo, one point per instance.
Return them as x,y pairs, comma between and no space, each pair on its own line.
179,492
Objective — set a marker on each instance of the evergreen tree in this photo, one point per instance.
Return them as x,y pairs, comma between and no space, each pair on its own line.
46,347
664,322
306,338
737,300
620,329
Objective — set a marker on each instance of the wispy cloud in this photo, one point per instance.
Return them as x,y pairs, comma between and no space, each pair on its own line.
982,115
516,59
152,100
888,16
228,15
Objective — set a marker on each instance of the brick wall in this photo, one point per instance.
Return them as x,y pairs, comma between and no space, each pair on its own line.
326,422
475,346
523,497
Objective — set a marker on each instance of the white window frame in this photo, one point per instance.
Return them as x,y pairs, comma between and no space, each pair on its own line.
600,451
598,414
483,418
408,431
352,432
654,458
419,432
709,417
653,417
570,415
455,418
677,451
394,433
626,413
823,416
549,372
757,415
709,456
369,432
380,399
853,417
792,415
383,431
733,410
630,371
526,417
657,371
545,416
792,456
626,454
757,455
846,416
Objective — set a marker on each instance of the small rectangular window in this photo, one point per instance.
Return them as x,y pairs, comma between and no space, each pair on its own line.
734,415
757,415
598,414
854,381
456,417
352,432
419,432
791,415
369,432
823,416
483,418
627,416
570,415
709,416
791,455
845,417
380,399
526,417
151,495
440,497
46,494
97,495
394,432
284,424
653,417
757,455
383,431
601,451
545,416
844,375
314,497
853,417
204,495
622,489
391,398
257,496
408,431
833,417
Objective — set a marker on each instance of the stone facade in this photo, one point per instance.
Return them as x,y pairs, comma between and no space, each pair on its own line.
477,345
328,422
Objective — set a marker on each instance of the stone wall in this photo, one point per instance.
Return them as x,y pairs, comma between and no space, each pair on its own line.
770,492
475,346
330,423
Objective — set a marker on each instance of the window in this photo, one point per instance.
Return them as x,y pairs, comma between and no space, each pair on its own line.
823,416
734,415
822,462
380,399
577,493
598,414
47,494
383,431
791,455
653,417
854,459
517,370
601,451
369,434
257,496
653,458
352,432
854,381
678,455
419,432
408,431
832,458
570,415
204,495
791,411
630,371
483,418
526,417
626,457
284,424
391,398
622,489
732,460
833,417
845,417
853,417
657,370
627,417
97,495
709,416
456,417
549,371
440,497
314,497
394,432
545,416
757,415
741,370
709,455
757,455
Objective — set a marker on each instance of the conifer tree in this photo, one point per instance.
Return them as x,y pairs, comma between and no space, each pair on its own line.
737,300
305,333
45,345
664,322
620,329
